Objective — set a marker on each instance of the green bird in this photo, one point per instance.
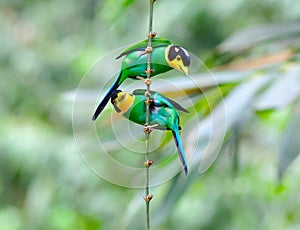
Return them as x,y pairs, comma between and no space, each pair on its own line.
162,113
164,57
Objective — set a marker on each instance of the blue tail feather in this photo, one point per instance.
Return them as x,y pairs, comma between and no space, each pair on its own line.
180,149
107,97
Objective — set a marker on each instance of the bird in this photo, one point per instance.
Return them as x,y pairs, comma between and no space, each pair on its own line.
164,57
162,115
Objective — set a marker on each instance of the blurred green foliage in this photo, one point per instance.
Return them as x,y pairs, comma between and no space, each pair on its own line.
47,46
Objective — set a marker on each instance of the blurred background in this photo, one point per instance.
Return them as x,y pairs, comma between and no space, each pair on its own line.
252,48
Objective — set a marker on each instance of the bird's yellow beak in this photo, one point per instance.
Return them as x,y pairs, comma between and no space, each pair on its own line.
178,65
184,69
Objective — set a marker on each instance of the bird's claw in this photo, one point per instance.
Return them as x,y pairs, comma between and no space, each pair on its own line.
148,49
147,81
149,128
140,78
148,95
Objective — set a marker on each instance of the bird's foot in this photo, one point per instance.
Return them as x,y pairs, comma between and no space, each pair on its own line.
148,95
147,81
149,128
140,78
148,49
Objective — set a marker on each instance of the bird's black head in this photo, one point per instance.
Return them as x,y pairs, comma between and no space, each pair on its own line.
122,101
178,58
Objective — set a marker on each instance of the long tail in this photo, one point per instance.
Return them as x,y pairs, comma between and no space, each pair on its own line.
180,149
106,99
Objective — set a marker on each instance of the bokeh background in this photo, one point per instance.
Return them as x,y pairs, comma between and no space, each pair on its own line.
252,48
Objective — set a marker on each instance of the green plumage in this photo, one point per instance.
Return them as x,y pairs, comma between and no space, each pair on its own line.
162,114
162,110
135,64
156,42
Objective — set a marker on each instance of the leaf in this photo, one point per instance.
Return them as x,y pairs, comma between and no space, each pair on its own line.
209,135
283,92
193,83
206,140
290,144
249,37
112,9
177,188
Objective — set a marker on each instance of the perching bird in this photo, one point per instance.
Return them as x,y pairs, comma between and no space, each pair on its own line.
162,113
164,57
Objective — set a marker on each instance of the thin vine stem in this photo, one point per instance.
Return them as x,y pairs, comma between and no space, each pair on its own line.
147,128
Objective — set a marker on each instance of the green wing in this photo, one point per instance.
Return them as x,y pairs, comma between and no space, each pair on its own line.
156,42
161,100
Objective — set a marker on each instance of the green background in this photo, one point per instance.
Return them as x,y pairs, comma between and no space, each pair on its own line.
46,47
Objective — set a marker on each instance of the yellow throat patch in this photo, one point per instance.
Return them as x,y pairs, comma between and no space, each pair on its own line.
123,102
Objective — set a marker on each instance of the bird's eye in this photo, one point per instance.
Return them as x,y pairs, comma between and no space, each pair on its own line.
122,96
178,58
